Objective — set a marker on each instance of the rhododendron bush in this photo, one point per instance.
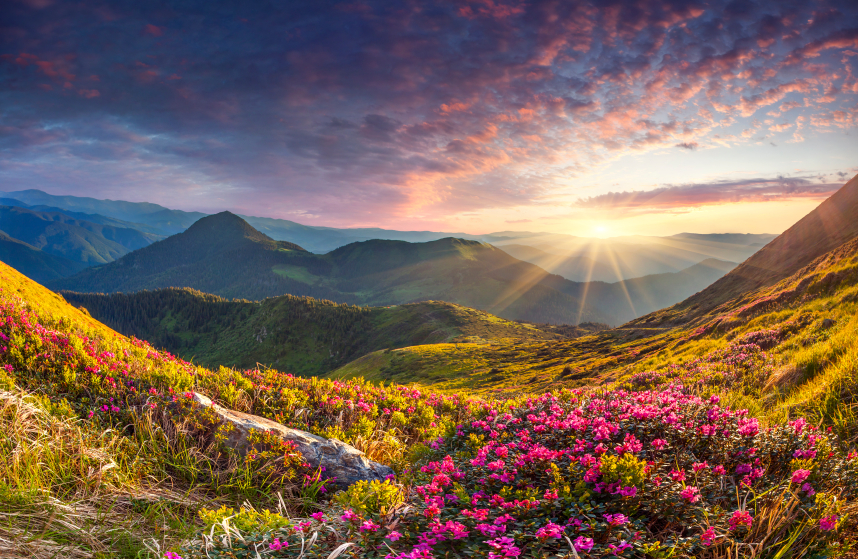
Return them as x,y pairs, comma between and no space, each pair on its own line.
631,474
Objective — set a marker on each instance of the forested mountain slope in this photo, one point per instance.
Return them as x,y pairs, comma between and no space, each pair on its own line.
219,254
299,335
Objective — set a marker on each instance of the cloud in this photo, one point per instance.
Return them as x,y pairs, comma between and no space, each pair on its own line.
402,109
707,194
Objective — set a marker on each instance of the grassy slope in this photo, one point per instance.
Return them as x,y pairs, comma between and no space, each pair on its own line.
299,335
131,500
828,226
814,371
43,300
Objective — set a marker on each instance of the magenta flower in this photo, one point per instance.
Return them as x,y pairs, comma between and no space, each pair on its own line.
583,545
277,545
393,535
629,491
799,476
740,518
690,494
617,549
550,530
828,523
616,519
708,537
369,526
171,555
659,444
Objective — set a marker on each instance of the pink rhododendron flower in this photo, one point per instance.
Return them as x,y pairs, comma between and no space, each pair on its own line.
550,530
740,518
277,545
828,523
799,476
583,545
690,494
708,537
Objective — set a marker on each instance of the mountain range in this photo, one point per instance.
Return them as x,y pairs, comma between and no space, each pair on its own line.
34,263
575,258
224,255
798,294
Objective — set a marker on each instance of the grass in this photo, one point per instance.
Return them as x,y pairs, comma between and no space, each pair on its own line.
69,490
79,488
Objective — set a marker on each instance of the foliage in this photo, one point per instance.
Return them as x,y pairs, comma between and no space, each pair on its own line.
300,335
371,498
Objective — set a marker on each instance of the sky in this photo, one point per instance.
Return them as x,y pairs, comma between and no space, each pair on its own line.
586,118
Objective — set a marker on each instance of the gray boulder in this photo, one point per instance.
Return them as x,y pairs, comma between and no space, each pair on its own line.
344,463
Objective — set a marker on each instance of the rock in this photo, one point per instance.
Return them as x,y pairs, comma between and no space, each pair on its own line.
827,323
343,462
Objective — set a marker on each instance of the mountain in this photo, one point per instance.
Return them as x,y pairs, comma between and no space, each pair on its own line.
575,268
61,235
833,223
575,258
634,297
93,218
159,219
220,254
618,258
298,335
226,256
34,263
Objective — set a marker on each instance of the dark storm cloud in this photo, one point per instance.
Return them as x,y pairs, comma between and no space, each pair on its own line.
353,108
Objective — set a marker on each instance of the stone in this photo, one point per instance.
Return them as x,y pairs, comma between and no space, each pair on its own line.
827,323
344,463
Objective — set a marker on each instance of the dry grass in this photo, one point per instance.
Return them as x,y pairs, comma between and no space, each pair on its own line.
67,491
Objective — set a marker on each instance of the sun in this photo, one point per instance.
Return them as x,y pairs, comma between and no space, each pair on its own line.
600,229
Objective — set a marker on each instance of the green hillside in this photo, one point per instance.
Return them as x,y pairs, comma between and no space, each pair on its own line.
78,240
219,254
34,263
298,335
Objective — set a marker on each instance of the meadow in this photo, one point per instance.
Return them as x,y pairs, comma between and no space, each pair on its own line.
732,436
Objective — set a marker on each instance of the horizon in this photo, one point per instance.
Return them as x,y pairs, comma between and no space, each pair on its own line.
588,119
499,232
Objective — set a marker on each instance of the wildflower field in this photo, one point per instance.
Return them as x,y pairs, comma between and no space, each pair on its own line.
103,453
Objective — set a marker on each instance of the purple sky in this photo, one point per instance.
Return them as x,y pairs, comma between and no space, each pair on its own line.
580,117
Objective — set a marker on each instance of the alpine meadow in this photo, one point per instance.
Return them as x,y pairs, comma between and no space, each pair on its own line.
426,280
